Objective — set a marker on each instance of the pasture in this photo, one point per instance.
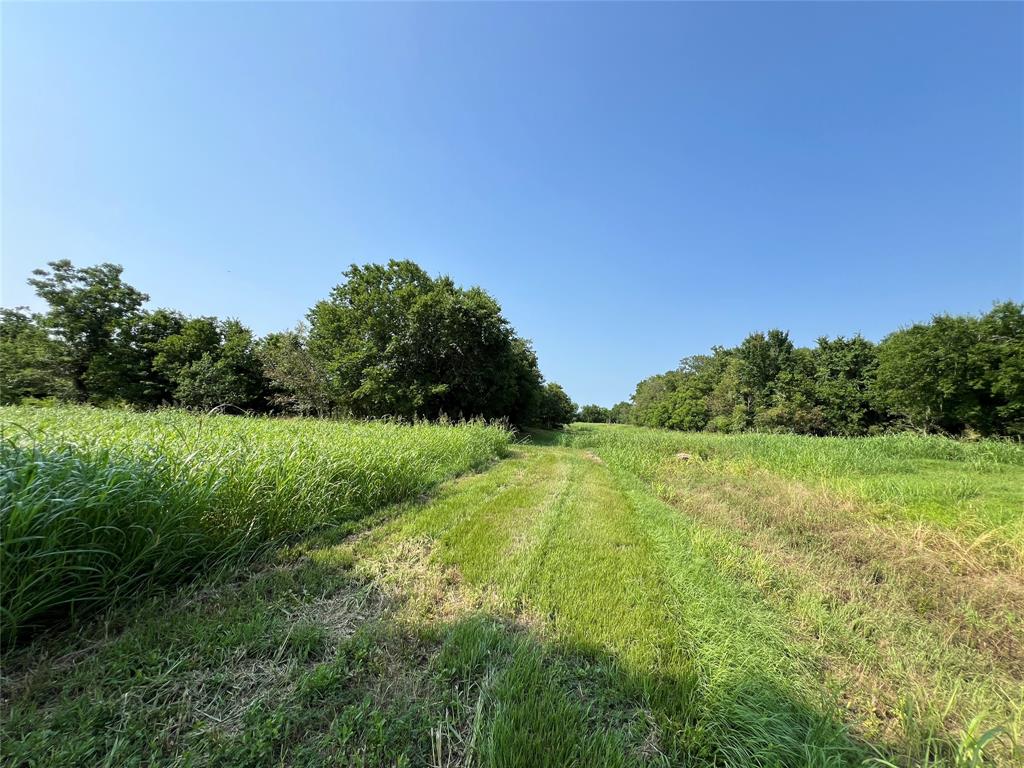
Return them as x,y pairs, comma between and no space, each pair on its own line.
602,596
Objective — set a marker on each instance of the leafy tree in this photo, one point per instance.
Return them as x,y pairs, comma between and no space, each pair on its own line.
30,361
594,414
686,408
351,332
844,373
650,399
953,374
762,358
296,384
393,341
211,363
999,356
689,407
928,376
556,407
524,379
620,413
92,313
792,406
151,386
727,404
957,373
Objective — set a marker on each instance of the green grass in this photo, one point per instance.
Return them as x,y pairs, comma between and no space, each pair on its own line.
97,504
606,604
976,488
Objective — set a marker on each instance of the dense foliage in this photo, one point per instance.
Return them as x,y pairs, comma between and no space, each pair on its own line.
389,341
594,414
954,374
394,341
556,408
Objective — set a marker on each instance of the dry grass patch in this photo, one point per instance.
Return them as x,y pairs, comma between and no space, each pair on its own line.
910,629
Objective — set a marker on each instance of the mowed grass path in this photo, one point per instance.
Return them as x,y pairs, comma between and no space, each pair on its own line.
568,607
602,570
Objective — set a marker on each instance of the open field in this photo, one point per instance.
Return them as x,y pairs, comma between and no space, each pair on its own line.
593,600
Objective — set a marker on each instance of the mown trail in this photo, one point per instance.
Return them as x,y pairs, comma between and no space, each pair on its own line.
786,640
558,609
601,570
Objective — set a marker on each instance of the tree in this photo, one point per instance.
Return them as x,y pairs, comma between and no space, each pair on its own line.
928,376
30,361
556,407
650,399
92,313
999,357
393,341
594,414
620,412
844,373
727,403
762,358
792,406
211,363
686,408
152,387
296,383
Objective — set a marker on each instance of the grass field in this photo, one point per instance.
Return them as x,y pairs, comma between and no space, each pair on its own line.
100,503
595,599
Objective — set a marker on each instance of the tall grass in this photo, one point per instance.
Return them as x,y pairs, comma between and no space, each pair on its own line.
976,487
95,504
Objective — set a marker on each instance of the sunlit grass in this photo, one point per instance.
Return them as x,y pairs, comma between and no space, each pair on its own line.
975,487
96,503
614,605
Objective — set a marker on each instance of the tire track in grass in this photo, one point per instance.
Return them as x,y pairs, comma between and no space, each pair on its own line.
614,573
487,526
592,575
618,577
757,696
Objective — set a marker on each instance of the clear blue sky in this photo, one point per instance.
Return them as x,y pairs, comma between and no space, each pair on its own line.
633,183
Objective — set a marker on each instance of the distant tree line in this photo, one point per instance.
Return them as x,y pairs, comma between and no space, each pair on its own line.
955,374
597,414
389,341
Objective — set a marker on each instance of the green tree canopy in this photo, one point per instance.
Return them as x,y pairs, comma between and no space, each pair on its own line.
92,312
594,414
556,407
394,341
620,412
296,383
30,361
211,363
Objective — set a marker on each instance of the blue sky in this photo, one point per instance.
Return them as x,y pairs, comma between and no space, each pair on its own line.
634,183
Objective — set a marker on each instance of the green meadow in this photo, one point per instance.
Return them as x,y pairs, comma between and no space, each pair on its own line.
442,596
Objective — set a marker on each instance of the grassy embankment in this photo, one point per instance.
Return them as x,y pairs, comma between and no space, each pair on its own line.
599,602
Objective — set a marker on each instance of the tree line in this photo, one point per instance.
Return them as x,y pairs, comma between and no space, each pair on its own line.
955,374
389,340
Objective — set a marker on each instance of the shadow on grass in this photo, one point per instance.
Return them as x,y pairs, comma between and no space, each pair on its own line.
304,663
553,704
